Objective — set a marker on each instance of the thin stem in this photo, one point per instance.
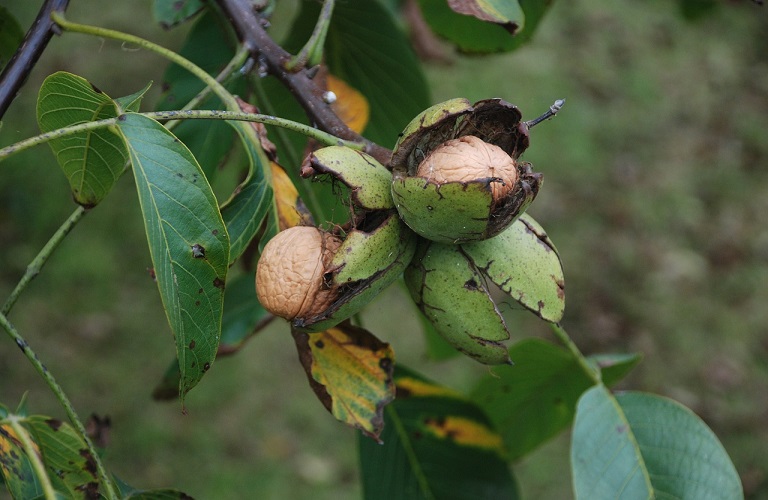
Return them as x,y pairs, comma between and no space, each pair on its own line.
223,94
32,454
193,114
234,65
63,400
34,267
312,52
311,132
556,106
589,369
54,134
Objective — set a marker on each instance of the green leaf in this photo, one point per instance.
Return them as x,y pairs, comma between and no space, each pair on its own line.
209,46
615,367
533,400
693,10
437,444
639,445
11,36
350,371
243,315
92,161
242,312
534,13
132,102
367,49
169,13
187,238
471,34
524,263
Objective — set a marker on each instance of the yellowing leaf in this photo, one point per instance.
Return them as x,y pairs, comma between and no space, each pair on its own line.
350,370
464,432
409,386
16,469
436,446
350,105
290,209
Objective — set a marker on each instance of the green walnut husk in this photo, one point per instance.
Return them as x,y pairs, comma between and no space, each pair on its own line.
366,263
368,180
471,208
457,286
377,246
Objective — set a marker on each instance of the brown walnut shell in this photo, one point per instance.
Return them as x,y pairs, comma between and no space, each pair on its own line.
289,275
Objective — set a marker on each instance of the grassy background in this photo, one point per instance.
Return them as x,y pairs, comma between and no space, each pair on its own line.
656,195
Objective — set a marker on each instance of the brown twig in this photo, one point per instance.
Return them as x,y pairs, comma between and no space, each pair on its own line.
22,62
304,89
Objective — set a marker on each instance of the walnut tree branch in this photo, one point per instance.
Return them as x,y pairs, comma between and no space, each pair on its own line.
22,62
306,91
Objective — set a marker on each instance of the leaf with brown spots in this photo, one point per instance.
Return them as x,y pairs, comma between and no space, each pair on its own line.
181,217
15,466
70,466
350,370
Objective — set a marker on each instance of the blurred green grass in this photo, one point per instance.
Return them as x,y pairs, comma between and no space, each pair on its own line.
656,194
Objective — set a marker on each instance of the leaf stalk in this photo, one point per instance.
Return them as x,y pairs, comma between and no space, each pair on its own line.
192,114
312,52
590,370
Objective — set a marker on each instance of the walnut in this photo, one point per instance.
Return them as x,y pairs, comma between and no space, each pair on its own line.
469,158
289,275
